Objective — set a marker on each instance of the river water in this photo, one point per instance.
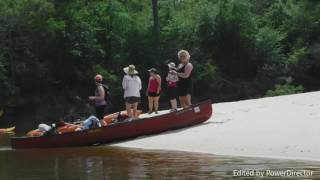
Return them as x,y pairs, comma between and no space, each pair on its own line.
108,162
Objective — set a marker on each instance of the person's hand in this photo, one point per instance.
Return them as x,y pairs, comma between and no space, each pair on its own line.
91,98
173,72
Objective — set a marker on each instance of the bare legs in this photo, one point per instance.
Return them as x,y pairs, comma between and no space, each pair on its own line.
173,103
150,100
182,101
153,103
132,113
185,101
188,100
128,108
156,103
135,110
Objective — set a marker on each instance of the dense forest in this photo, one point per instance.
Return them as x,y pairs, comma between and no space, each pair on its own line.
50,50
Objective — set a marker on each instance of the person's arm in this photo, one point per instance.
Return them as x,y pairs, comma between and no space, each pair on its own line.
187,71
148,87
175,78
140,84
148,84
158,78
124,83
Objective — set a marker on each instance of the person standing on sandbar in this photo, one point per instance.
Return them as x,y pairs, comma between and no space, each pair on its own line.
172,79
184,72
131,84
153,90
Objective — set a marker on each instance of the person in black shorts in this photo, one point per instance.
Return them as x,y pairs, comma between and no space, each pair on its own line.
153,90
172,79
131,84
184,72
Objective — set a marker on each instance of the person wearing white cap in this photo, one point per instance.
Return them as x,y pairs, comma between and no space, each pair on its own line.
172,79
131,84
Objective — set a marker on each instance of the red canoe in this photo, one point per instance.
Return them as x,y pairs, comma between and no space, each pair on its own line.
196,114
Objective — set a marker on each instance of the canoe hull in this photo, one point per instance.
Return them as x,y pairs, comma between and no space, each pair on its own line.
120,131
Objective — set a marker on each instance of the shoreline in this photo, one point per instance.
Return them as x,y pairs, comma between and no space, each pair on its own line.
282,127
296,159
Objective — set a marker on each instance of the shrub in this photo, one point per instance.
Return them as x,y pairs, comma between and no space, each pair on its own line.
285,89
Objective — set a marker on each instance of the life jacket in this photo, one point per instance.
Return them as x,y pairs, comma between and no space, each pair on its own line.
67,128
35,132
122,115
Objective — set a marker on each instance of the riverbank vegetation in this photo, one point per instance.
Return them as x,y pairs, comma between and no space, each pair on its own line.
51,49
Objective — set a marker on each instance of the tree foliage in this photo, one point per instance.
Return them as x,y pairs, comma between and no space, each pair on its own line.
240,49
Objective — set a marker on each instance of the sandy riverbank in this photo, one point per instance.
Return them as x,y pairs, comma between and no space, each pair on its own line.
278,127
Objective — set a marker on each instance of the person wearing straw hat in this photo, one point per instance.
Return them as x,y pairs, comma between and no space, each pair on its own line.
153,90
172,79
131,84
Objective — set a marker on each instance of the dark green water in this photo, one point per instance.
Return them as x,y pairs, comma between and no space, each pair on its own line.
106,162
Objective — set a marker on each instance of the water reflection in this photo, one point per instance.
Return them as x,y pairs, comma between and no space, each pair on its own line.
105,162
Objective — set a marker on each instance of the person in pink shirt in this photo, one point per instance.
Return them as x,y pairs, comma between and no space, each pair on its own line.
153,90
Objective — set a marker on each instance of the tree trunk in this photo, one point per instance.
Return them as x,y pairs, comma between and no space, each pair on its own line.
156,23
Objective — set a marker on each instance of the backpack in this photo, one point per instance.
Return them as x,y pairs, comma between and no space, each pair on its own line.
106,93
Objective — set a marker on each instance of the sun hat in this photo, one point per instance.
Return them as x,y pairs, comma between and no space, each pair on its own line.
172,65
154,70
130,70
